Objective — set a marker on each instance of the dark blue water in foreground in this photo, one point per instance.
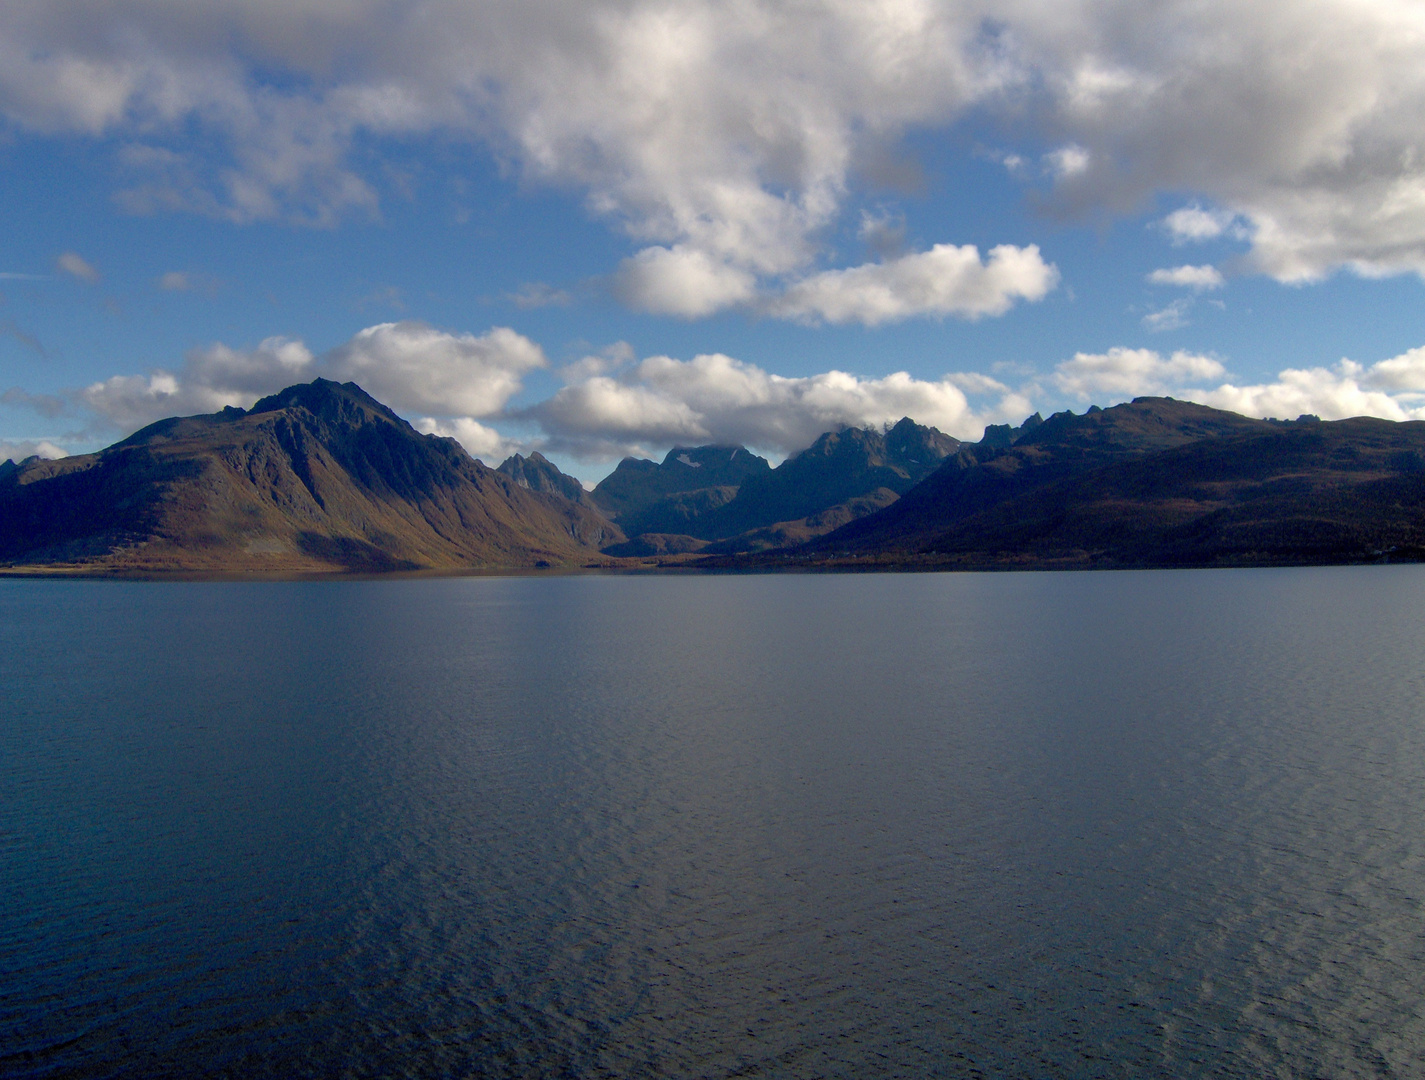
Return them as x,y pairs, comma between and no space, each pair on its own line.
1028,825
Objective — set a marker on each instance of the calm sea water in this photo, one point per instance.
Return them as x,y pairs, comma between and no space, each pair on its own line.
1003,825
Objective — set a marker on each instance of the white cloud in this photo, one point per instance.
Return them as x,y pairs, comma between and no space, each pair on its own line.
716,399
1193,224
414,367
1169,317
410,366
479,441
1123,373
682,281
946,280
1191,277
1403,373
76,267
175,281
1393,389
1329,394
736,129
209,380
23,448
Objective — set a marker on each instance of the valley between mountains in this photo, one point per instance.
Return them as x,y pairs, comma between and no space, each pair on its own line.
322,478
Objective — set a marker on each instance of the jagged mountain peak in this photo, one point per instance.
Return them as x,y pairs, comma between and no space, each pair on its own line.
319,476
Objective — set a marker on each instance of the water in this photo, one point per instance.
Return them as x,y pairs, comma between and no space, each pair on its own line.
1019,825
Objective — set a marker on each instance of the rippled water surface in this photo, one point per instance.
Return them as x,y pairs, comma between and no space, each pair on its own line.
1038,825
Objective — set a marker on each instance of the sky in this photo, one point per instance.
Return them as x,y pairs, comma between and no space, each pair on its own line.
617,226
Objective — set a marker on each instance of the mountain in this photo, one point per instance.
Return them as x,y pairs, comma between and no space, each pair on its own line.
843,476
669,496
538,473
729,496
318,477
1158,482
1041,452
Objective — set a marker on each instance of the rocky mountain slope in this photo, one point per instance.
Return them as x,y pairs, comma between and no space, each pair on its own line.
318,477
704,494
670,496
538,473
1158,483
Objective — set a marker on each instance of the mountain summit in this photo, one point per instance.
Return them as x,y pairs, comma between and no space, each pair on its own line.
318,477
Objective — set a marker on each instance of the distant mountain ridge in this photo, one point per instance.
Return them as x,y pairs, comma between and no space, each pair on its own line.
318,477
670,496
733,500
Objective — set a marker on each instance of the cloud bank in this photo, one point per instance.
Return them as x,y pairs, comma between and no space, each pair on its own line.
459,385
1392,389
724,137
465,386
713,398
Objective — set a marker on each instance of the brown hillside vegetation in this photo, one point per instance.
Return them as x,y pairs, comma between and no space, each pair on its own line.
319,477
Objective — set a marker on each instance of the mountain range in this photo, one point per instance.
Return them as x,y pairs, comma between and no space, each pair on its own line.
321,477
726,499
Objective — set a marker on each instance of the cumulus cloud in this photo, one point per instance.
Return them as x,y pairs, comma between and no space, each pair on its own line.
1393,389
76,267
1400,374
946,280
735,132
1191,277
1126,373
479,441
662,401
682,281
414,367
1331,393
410,366
209,380
23,448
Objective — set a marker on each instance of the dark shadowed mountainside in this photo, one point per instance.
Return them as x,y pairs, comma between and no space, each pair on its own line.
1158,483
669,496
1042,452
538,473
843,476
318,477
727,495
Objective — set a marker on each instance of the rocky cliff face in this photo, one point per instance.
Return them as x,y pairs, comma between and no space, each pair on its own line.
538,473
670,496
318,477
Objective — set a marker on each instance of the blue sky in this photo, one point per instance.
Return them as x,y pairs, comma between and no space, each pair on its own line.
610,228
